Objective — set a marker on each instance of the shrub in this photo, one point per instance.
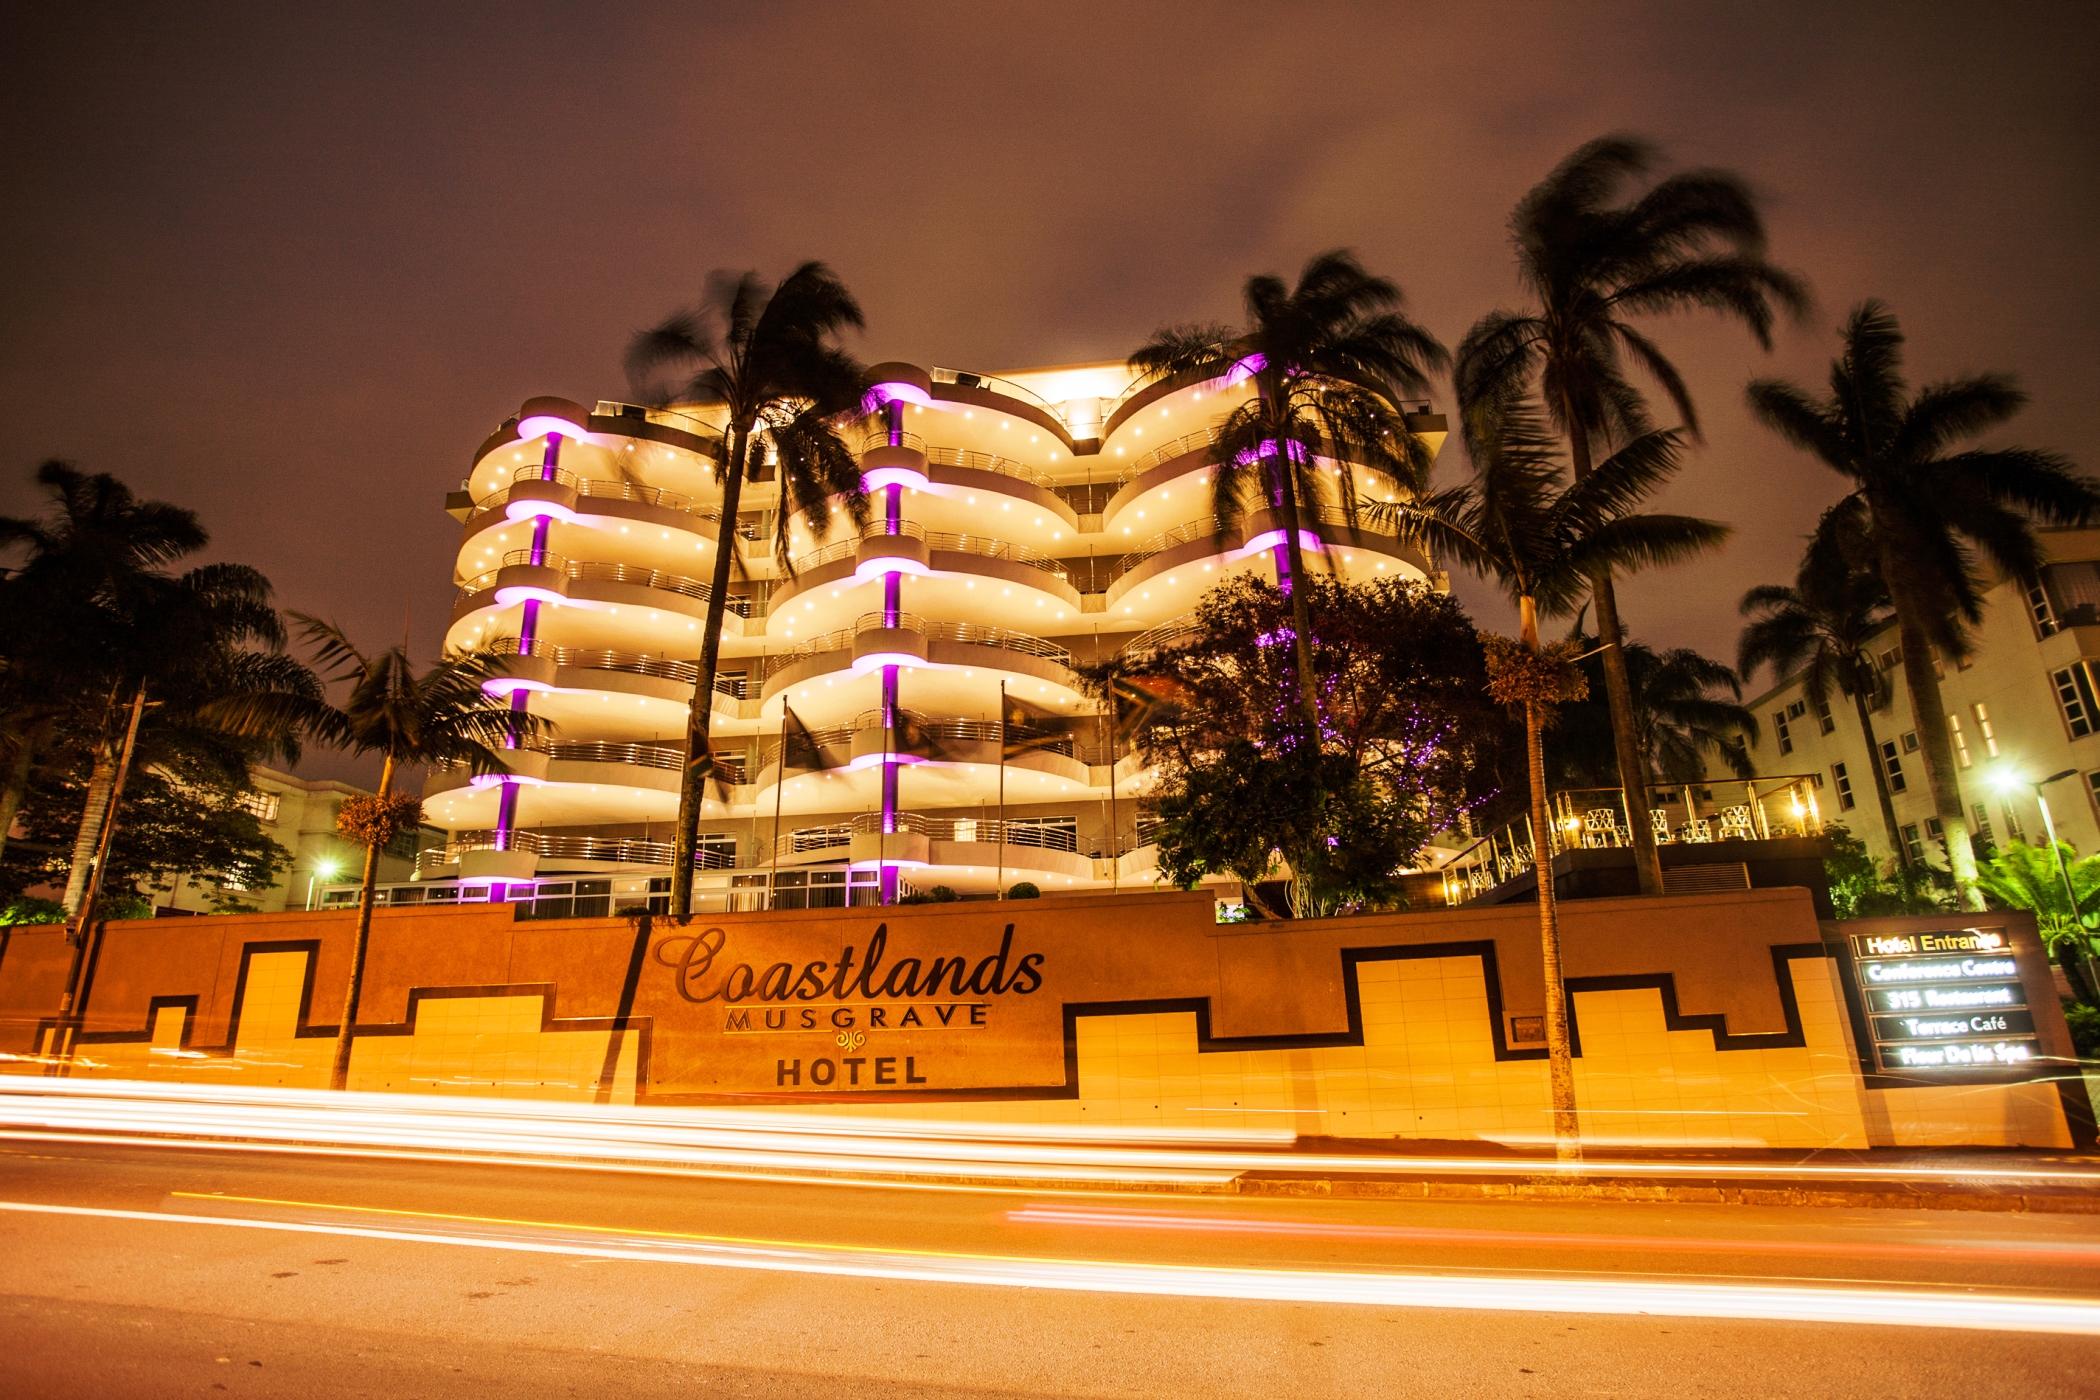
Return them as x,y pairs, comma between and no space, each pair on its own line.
1023,889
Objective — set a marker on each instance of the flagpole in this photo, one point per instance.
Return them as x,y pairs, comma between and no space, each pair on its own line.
999,887
1115,830
780,782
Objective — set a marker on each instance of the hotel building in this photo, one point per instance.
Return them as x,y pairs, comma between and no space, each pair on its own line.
1022,526
2022,709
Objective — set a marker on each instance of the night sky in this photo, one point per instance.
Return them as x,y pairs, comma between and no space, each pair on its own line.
289,264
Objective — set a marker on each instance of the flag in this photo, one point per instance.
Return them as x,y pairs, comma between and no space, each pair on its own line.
912,733
1026,728
1137,703
802,751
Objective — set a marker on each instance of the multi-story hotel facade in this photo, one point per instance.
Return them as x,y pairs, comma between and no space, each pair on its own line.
2022,710
1022,526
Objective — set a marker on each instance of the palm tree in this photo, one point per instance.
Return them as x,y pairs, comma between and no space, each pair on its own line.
1686,711
1693,241
769,358
1823,625
83,563
1331,360
410,719
1920,505
1543,541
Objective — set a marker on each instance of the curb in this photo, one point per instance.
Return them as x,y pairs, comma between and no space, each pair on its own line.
1865,1196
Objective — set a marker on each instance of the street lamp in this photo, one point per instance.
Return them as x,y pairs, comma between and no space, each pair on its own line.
326,868
2008,782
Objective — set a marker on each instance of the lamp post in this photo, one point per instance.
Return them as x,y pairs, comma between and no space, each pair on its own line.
2005,780
326,868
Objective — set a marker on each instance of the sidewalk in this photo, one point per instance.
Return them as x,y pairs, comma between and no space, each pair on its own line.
2056,1181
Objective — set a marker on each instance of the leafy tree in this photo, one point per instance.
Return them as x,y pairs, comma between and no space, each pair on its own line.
2021,876
1824,626
769,358
1596,253
1919,507
434,717
1686,710
1330,359
78,562
1544,540
1862,889
1405,741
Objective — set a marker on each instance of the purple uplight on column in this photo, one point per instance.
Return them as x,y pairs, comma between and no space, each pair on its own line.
528,632
892,615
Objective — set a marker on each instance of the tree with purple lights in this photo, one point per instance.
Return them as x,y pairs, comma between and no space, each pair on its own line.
1520,523
768,358
1405,744
1332,361
1596,252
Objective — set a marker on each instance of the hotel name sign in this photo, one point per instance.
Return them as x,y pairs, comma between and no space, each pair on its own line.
862,1018
1944,1000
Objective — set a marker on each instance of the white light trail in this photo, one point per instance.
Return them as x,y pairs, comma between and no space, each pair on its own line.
1889,1307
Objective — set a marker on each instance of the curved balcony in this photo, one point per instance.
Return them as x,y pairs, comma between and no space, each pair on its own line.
917,550
921,640
541,666
866,742
1196,541
519,577
666,427
434,861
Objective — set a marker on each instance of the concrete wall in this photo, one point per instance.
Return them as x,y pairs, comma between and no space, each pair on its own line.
1710,1019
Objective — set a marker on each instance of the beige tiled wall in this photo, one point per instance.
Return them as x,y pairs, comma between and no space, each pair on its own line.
1426,1069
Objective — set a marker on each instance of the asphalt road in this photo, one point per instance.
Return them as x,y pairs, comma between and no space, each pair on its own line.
149,1271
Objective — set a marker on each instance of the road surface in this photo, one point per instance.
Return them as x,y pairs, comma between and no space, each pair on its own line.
164,1270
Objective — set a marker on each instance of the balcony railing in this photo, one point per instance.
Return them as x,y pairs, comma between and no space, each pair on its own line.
934,731
614,850
1701,814
748,604
988,462
983,546
933,629
1326,516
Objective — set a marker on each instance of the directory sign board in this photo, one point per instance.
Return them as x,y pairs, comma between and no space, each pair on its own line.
1944,1000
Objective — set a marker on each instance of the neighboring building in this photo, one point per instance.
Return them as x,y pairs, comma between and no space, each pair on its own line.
299,815
2023,706
1022,526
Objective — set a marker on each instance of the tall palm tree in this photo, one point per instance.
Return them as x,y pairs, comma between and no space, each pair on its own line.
1595,253
1331,360
177,639
82,563
411,719
1921,504
1823,625
769,358
1687,709
1542,539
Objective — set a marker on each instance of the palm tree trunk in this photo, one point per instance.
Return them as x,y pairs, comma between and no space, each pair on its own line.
1560,1058
699,714
1618,694
1929,713
1881,780
1301,611
14,786
87,837
367,895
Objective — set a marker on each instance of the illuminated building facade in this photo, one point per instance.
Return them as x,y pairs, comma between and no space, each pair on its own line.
1021,527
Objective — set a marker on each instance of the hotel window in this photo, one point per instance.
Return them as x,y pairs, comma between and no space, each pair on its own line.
1825,720
1935,832
2074,696
1910,741
1939,665
1984,730
2039,612
1892,765
1961,741
1983,825
2013,830
260,805
1797,709
1844,786
1892,658
1779,730
1912,845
